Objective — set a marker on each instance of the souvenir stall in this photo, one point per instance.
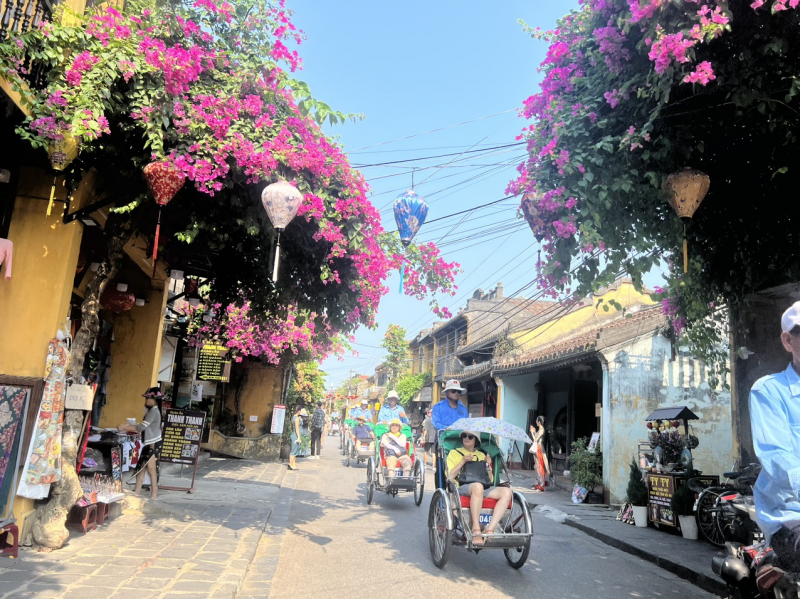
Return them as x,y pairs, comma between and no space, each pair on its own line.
668,464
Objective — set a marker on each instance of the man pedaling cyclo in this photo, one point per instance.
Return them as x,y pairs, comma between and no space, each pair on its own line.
775,424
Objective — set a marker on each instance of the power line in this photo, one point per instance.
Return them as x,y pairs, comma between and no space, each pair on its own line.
483,118
360,166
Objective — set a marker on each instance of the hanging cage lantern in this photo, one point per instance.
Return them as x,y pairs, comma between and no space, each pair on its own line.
164,180
686,188
410,210
281,201
60,153
117,301
530,211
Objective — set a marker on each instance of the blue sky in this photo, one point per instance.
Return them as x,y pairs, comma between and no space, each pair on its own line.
413,67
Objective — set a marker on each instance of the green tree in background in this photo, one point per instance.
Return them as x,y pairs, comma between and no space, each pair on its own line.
396,360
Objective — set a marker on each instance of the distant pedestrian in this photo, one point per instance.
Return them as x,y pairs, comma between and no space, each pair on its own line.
540,449
429,440
317,430
296,437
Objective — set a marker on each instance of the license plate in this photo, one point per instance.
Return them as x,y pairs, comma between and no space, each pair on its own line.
485,518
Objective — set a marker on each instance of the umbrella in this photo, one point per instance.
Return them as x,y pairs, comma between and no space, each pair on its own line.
493,426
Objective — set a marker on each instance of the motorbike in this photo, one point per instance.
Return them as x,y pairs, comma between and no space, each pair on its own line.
750,573
727,512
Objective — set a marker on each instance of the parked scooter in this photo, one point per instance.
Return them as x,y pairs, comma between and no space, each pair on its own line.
727,512
750,573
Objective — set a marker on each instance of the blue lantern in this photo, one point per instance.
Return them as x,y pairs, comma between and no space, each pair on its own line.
410,211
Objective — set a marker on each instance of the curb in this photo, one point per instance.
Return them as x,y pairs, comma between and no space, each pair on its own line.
703,581
707,583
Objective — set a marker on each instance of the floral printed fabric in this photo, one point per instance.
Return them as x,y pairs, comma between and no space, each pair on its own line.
12,401
44,460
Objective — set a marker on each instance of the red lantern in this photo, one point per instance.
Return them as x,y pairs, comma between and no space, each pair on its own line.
164,181
117,301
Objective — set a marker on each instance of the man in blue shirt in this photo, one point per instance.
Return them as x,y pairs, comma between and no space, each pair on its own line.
362,411
445,413
775,424
391,410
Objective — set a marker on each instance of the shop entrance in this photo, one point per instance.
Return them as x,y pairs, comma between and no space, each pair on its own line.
584,400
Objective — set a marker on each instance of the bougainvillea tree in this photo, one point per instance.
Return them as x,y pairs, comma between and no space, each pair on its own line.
634,90
207,86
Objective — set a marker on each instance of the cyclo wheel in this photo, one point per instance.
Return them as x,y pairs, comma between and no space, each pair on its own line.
370,480
519,521
419,484
440,532
707,520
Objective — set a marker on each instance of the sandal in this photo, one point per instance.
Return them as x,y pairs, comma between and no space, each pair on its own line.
476,536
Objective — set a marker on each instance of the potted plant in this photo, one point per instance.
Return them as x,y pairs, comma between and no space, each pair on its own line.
586,467
682,506
638,495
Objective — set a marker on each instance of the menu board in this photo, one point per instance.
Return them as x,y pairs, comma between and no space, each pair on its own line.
183,430
278,418
211,364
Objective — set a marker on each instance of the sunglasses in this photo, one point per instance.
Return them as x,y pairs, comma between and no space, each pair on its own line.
468,437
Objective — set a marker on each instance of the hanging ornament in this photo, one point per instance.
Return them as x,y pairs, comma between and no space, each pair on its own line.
281,201
530,210
164,180
117,301
60,152
686,188
410,211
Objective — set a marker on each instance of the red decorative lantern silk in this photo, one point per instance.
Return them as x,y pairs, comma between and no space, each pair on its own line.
164,181
117,301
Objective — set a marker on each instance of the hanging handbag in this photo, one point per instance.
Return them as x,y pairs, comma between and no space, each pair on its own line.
474,472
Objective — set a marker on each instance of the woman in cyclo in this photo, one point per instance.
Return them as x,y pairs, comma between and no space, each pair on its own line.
394,448
463,474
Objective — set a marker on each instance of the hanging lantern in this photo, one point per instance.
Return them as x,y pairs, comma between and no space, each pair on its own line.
686,189
60,152
410,211
117,301
281,201
164,180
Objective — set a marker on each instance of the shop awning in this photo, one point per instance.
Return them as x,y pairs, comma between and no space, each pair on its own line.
679,413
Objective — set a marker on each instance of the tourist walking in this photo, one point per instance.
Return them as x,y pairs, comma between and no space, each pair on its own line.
317,430
540,450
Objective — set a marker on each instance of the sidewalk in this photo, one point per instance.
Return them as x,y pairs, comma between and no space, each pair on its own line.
690,560
182,545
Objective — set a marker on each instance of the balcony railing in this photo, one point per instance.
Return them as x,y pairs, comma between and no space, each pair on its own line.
18,16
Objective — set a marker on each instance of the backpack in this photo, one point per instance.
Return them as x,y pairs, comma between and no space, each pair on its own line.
318,420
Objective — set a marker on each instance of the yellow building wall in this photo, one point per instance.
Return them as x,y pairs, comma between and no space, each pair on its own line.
260,393
135,356
35,302
587,316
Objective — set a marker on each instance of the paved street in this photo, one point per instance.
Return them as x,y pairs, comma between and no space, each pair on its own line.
257,530
338,546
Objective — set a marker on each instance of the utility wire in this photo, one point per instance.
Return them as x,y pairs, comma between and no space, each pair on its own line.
360,166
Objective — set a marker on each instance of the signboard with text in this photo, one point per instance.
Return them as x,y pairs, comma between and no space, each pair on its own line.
183,430
661,487
278,419
211,363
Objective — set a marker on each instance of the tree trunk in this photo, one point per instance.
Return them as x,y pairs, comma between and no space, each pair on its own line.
49,527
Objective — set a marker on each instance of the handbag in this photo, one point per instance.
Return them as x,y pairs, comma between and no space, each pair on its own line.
534,448
474,472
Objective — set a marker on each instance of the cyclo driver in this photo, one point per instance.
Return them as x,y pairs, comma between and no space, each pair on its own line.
775,424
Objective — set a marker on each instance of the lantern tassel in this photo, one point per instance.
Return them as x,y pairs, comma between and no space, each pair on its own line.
402,275
277,258
52,196
685,251
155,245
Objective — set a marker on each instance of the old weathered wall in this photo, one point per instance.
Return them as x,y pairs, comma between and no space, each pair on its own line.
519,396
265,448
641,378
758,329
260,392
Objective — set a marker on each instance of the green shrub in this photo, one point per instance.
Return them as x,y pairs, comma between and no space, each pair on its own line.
682,502
585,467
637,488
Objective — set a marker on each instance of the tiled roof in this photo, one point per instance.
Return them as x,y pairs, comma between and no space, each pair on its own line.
645,320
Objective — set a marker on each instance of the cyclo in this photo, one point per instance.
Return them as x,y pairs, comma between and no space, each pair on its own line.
378,476
449,521
344,442
360,450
